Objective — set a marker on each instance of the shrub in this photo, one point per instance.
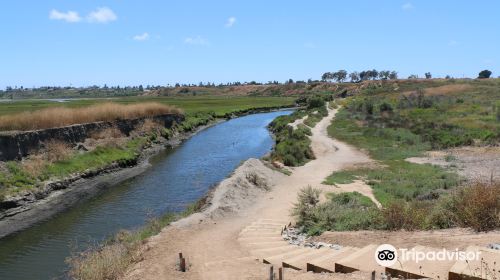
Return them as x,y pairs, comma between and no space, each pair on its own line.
345,211
55,150
315,102
485,74
477,206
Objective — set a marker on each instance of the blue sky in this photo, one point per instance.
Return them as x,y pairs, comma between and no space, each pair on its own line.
125,42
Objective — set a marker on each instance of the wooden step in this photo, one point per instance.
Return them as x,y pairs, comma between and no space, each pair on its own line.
262,253
361,260
259,239
300,262
263,245
487,267
278,259
423,269
326,263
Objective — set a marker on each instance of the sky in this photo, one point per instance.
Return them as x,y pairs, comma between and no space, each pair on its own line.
127,42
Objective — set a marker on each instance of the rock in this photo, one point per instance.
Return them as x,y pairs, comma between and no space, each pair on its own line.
278,164
494,246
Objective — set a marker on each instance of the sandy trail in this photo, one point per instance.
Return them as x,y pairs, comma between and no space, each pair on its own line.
210,244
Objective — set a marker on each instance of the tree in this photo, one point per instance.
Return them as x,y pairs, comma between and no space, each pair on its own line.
384,75
374,74
393,75
328,76
354,76
141,88
364,75
485,74
340,76
413,77
428,75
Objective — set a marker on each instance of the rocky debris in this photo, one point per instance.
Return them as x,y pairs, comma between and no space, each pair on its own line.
494,246
296,237
278,164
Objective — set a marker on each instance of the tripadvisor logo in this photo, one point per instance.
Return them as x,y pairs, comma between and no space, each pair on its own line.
386,255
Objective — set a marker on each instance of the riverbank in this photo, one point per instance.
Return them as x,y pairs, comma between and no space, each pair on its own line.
69,191
211,242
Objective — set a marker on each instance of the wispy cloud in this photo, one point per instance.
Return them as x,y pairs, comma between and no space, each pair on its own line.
102,15
141,37
230,22
408,6
198,40
452,43
69,16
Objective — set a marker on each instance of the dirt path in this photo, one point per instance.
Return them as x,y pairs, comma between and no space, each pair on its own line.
210,244
297,122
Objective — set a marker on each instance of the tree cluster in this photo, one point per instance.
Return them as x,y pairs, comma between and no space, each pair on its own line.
341,75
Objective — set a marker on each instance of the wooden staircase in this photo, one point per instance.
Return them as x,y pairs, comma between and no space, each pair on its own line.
264,242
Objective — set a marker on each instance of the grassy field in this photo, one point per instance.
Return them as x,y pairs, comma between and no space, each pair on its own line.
220,105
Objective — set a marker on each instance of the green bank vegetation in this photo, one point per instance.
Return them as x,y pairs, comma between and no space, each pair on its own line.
293,145
394,126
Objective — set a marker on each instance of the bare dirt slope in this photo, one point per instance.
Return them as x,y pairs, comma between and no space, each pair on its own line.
210,241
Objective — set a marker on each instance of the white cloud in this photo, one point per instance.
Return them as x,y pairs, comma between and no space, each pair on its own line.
69,16
198,40
230,22
102,15
452,43
408,6
142,37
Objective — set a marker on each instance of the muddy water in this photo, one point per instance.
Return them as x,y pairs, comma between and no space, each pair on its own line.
177,177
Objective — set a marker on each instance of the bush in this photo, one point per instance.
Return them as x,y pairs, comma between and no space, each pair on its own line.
292,145
315,102
346,211
476,206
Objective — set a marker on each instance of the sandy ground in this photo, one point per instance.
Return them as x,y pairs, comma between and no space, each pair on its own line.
450,239
474,163
209,241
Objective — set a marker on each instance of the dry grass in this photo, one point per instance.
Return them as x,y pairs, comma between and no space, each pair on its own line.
58,117
443,90
107,262
478,206
56,150
34,165
52,151
111,132
146,127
